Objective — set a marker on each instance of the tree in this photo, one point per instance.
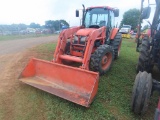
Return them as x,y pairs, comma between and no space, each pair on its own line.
55,25
13,28
22,26
34,25
131,17
50,25
63,22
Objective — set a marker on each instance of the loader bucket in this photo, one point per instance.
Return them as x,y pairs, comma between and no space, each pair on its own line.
74,84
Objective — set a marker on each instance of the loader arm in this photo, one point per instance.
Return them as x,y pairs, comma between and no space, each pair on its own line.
95,34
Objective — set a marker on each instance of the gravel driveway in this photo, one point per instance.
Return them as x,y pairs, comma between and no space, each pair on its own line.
14,46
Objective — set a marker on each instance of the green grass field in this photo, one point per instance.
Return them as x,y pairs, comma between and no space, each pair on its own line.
14,37
111,103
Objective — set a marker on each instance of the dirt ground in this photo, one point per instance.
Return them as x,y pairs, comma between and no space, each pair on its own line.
12,57
14,46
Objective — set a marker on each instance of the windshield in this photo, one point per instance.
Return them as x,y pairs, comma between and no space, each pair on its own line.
96,16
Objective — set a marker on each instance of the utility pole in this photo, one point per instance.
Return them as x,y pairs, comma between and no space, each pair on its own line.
139,25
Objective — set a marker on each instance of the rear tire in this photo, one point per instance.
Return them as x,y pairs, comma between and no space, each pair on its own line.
116,43
101,60
144,63
141,92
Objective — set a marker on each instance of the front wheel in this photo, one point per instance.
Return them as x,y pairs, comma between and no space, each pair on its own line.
101,59
141,92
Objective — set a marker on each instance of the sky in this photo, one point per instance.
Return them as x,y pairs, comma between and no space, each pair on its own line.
38,11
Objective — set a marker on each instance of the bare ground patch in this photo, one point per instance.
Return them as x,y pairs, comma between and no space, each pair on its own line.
19,101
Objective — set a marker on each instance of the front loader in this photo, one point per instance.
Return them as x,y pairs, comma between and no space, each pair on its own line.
92,46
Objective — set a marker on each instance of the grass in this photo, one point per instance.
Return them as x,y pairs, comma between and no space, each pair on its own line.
111,103
14,37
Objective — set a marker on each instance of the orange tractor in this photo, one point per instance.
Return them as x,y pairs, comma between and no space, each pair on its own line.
93,45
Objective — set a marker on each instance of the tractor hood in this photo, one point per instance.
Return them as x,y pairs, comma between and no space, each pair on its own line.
84,32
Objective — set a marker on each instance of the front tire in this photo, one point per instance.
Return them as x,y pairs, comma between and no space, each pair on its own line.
101,60
141,92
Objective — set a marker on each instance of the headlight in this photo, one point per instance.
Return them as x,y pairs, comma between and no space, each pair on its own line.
75,38
82,38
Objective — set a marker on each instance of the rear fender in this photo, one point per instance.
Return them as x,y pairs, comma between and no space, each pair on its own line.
113,33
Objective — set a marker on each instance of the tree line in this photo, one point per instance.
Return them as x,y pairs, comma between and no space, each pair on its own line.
130,17
52,25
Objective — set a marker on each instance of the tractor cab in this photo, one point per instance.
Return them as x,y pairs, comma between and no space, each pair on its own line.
99,17
96,17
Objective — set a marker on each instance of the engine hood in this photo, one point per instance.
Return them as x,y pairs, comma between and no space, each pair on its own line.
85,32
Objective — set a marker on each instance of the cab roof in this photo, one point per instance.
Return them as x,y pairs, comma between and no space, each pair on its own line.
110,8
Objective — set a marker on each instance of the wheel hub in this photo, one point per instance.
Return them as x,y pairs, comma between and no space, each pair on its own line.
104,60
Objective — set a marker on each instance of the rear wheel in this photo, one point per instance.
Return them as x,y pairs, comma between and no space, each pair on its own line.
141,92
116,43
144,62
101,59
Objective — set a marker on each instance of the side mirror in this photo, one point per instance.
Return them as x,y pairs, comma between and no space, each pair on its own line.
146,13
116,12
77,13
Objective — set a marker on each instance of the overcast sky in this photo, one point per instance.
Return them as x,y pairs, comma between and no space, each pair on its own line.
38,11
